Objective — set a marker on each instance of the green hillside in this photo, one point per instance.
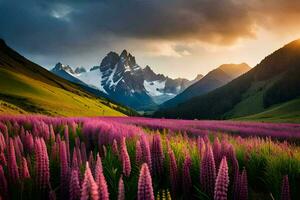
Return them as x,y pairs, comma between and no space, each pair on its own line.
273,82
28,88
285,112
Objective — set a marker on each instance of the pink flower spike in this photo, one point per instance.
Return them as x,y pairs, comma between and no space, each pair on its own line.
121,190
222,181
74,187
89,188
285,189
145,189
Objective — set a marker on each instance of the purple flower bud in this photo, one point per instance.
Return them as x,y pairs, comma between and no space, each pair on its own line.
74,187
138,153
89,189
145,189
12,163
121,190
285,189
173,171
157,155
126,164
222,181
208,172
186,177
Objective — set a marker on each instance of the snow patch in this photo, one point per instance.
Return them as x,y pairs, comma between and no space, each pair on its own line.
154,88
92,78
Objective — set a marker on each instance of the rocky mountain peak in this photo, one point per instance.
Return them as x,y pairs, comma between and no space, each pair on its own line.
59,66
80,70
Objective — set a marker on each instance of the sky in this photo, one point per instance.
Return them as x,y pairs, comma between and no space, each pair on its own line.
179,38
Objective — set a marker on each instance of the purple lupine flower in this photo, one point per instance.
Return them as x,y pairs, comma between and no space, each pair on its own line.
3,184
115,149
231,157
66,136
285,189
41,164
64,169
173,171
12,163
102,185
208,172
186,177
125,158
145,189
201,146
121,189
74,188
24,169
157,155
243,186
28,142
2,142
217,150
98,168
222,181
138,153
89,189
52,134
146,151
4,130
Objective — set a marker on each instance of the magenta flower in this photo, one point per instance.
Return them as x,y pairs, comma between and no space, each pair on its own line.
208,172
157,155
41,164
98,168
145,189
138,153
125,159
115,149
24,169
12,163
146,151
121,189
186,177
89,189
201,146
64,169
217,150
3,184
222,181
74,188
66,136
173,171
103,188
243,186
285,189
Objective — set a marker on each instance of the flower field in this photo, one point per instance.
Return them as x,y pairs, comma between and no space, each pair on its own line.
146,159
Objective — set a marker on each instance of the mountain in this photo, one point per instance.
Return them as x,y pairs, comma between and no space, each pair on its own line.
26,87
264,89
214,79
124,81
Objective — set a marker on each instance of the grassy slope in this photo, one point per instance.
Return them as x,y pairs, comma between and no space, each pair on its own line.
286,112
26,87
23,94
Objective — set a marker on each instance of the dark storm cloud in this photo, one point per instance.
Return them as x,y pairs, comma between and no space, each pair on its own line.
55,27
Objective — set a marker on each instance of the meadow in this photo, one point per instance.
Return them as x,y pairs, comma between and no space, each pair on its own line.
139,158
